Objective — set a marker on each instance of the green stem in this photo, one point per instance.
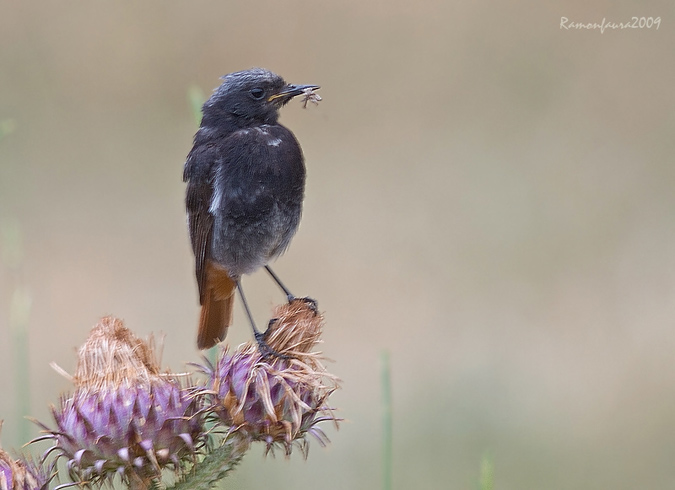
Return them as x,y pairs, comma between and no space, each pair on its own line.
19,314
11,260
196,98
214,467
387,443
487,473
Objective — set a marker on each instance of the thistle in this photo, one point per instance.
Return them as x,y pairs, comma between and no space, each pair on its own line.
21,474
125,417
276,399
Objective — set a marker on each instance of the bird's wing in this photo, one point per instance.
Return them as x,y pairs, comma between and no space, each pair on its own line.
197,201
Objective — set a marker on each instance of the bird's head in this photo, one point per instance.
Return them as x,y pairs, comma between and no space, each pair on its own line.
250,97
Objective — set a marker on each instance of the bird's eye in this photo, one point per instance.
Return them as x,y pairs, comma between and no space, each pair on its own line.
257,93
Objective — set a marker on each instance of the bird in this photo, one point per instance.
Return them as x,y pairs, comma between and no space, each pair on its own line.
245,178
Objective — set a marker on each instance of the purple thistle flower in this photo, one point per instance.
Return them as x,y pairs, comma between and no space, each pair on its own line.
22,474
276,400
125,417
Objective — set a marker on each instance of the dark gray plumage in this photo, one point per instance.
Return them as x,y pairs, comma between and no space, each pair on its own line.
246,180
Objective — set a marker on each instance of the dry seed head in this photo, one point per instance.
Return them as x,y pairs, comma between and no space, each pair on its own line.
277,400
125,417
113,354
9,471
21,475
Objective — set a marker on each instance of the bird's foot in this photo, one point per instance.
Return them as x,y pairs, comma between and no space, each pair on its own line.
264,348
310,302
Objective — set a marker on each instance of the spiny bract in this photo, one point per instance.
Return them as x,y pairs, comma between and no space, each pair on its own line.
277,400
124,417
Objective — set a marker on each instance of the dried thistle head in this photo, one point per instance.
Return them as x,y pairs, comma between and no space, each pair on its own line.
11,473
125,417
277,400
112,355
21,474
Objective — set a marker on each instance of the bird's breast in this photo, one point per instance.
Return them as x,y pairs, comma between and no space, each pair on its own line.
257,196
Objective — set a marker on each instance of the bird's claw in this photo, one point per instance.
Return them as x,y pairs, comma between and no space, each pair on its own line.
264,348
311,303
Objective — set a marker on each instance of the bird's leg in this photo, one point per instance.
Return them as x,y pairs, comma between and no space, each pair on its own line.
256,332
290,296
263,346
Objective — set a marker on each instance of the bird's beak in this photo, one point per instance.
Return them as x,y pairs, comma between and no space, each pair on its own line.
290,91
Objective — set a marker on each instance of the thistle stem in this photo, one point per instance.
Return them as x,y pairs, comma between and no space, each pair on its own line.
214,467
387,443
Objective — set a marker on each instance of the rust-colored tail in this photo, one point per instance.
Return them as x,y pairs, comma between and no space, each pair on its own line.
217,303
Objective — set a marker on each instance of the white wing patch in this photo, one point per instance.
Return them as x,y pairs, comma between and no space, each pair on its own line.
215,200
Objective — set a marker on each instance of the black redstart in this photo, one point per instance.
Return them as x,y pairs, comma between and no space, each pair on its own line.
245,184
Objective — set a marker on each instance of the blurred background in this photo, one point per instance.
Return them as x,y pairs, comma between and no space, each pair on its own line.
490,198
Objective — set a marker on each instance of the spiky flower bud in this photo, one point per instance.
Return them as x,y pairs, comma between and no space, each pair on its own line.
21,474
277,399
125,417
